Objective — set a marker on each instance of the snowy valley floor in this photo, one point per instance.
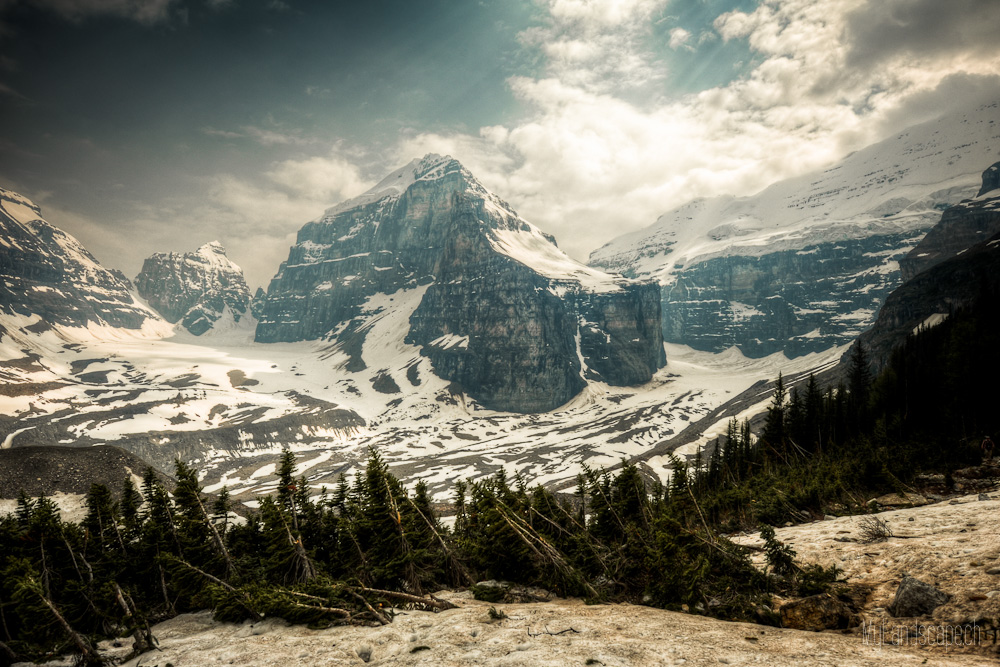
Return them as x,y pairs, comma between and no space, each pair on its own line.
230,405
955,543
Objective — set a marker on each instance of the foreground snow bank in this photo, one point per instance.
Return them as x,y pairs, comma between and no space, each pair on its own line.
561,632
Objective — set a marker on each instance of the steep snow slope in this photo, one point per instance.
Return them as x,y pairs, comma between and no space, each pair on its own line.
899,184
46,272
805,264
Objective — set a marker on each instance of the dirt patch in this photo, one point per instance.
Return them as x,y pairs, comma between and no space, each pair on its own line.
238,378
28,388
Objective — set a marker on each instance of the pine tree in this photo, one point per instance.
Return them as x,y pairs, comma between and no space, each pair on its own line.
774,433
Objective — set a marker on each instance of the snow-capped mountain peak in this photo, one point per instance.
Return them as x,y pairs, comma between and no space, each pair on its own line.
48,274
534,323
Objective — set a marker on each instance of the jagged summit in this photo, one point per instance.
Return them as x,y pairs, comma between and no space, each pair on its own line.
194,288
503,312
212,248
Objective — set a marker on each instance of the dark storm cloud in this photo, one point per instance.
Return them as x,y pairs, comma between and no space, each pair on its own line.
883,29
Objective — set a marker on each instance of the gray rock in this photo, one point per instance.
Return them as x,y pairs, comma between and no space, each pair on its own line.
962,226
993,570
991,179
983,496
939,287
781,300
916,598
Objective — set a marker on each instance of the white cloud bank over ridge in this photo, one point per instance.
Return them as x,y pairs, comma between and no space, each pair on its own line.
589,164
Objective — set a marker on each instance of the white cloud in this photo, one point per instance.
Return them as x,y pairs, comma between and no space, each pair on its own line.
679,37
255,220
262,136
587,163
598,44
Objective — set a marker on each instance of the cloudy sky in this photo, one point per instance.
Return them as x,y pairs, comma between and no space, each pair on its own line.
152,125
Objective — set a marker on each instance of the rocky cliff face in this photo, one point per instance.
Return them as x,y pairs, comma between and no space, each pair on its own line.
796,301
962,226
805,264
48,273
194,288
504,315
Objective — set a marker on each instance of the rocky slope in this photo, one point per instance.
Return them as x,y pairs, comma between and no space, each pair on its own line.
194,288
47,274
496,307
42,471
805,264
962,226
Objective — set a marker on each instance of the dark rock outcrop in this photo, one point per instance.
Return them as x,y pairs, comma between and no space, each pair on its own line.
929,297
962,226
46,272
194,288
506,316
816,613
915,598
991,179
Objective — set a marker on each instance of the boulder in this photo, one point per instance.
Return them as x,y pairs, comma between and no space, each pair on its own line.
815,613
901,500
916,598
507,592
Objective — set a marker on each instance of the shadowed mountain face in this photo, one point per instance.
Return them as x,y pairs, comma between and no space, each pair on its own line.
45,272
956,264
504,314
194,288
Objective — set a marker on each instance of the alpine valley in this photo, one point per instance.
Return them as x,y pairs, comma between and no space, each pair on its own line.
427,320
